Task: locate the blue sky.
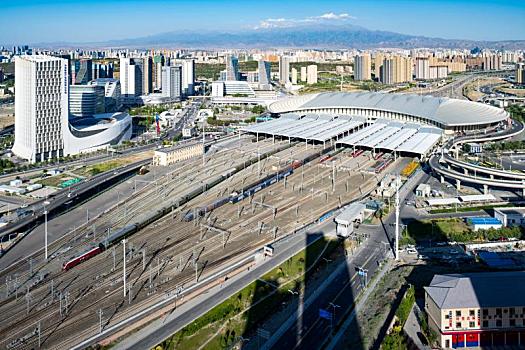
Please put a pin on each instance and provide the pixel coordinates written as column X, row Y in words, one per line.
column 34, row 21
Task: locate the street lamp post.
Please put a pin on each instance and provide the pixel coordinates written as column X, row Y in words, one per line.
column 45, row 228
column 333, row 306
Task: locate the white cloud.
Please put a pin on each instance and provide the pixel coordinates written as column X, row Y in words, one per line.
column 335, row 16
column 292, row 22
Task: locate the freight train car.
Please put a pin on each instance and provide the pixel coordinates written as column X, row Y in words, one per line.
column 118, row 235
column 260, row 186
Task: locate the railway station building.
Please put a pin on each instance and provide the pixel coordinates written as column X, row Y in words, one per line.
column 170, row 155
column 381, row 122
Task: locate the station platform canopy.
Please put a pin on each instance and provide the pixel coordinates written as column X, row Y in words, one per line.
column 442, row 201
column 477, row 198
column 316, row 127
column 394, row 136
column 380, row 134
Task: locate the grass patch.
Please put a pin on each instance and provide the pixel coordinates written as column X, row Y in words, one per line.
column 455, row 229
column 470, row 209
column 54, row 181
column 240, row 314
column 95, row 169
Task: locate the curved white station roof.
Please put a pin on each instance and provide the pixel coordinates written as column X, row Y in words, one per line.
column 448, row 112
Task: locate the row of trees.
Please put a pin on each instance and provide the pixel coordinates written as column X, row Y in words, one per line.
column 517, row 112
column 505, row 146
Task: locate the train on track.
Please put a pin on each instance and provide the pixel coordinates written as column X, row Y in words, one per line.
column 257, row 186
column 357, row 153
column 114, row 238
column 129, row 230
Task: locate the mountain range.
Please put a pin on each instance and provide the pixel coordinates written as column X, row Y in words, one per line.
column 301, row 36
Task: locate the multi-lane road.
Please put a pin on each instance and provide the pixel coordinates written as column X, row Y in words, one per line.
column 340, row 295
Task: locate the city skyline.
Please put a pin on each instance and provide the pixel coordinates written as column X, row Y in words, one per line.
column 51, row 21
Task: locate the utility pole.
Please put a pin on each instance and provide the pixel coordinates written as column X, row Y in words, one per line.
column 99, row 321
column 397, row 220
column 45, row 231
column 196, row 272
column 203, row 141
column 52, row 290
column 124, row 259
column 39, row 334
column 114, row 258
column 333, row 176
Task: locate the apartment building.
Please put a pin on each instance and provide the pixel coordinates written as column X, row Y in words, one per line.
column 362, row 67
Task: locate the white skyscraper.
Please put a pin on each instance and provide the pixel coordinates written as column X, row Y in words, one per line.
column 303, row 73
column 232, row 68
column 131, row 80
column 422, row 68
column 294, row 76
column 41, row 106
column 284, row 70
column 172, row 82
column 264, row 69
column 311, row 75
column 188, row 77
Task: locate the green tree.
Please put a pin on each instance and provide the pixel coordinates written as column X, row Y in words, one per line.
column 394, row 341
column 258, row 109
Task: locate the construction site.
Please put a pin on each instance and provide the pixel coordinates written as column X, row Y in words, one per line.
column 199, row 217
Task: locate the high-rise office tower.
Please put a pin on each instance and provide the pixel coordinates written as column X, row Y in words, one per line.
column 69, row 72
column 311, row 73
column 520, row 73
column 188, row 77
column 128, row 72
column 284, row 70
column 130, row 80
column 362, row 67
column 82, row 71
column 264, row 75
column 144, row 65
column 86, row 100
column 112, row 92
column 41, row 106
column 102, row 70
column 172, row 82
column 232, row 68
column 422, row 68
column 158, row 63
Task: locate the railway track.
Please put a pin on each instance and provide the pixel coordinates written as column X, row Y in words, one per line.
column 172, row 243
